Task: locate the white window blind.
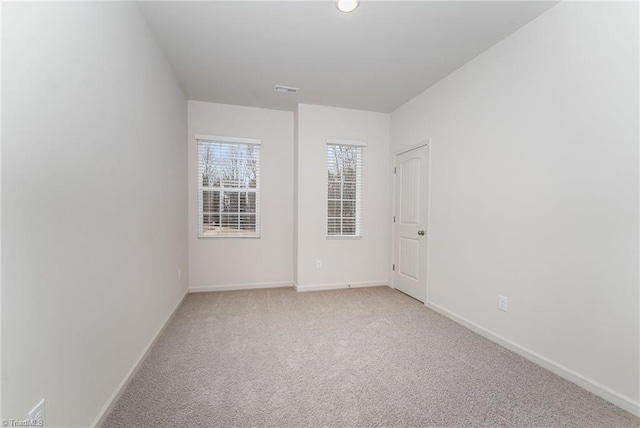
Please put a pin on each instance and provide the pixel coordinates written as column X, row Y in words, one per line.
column 344, row 193
column 228, row 187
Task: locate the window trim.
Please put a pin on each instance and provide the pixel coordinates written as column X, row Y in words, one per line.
column 199, row 188
column 358, row 201
column 230, row 140
column 340, row 142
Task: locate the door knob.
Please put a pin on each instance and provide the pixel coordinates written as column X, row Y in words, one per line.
column 421, row 232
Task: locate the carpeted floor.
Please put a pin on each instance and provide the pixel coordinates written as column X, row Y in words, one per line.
column 367, row 357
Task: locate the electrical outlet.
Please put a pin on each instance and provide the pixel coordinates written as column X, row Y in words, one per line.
column 318, row 264
column 503, row 303
column 37, row 415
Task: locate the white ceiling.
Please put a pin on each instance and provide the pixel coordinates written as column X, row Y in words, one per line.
column 376, row 58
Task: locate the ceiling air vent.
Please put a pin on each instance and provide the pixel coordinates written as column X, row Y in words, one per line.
column 286, row 89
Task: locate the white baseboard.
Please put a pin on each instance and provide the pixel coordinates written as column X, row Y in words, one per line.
column 319, row 287
column 231, row 287
column 590, row 385
column 301, row 288
column 108, row 406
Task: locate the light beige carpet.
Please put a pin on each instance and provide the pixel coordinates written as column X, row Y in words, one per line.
column 367, row 357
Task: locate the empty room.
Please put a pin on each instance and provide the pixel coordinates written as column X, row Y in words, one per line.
column 320, row 214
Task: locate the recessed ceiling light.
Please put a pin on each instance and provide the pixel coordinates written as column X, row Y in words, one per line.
column 347, row 6
column 286, row 89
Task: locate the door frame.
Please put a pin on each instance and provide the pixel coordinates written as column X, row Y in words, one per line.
column 427, row 142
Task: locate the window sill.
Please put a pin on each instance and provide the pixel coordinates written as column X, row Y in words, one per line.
column 230, row 236
column 347, row 237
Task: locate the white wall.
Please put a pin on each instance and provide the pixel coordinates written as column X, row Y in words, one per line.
column 534, row 191
column 296, row 170
column 94, row 203
column 0, row 222
column 344, row 261
column 224, row 262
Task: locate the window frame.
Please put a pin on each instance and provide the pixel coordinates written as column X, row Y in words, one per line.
column 359, row 145
column 231, row 141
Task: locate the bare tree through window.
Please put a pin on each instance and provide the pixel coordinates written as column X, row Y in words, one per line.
column 344, row 177
column 229, row 177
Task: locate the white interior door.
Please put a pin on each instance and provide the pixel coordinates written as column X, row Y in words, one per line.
column 410, row 218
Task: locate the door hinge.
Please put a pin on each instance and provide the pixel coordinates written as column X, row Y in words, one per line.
column 394, row 219
column 394, row 169
column 393, row 267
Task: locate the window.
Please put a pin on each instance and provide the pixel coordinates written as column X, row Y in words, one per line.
column 344, row 193
column 228, row 187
